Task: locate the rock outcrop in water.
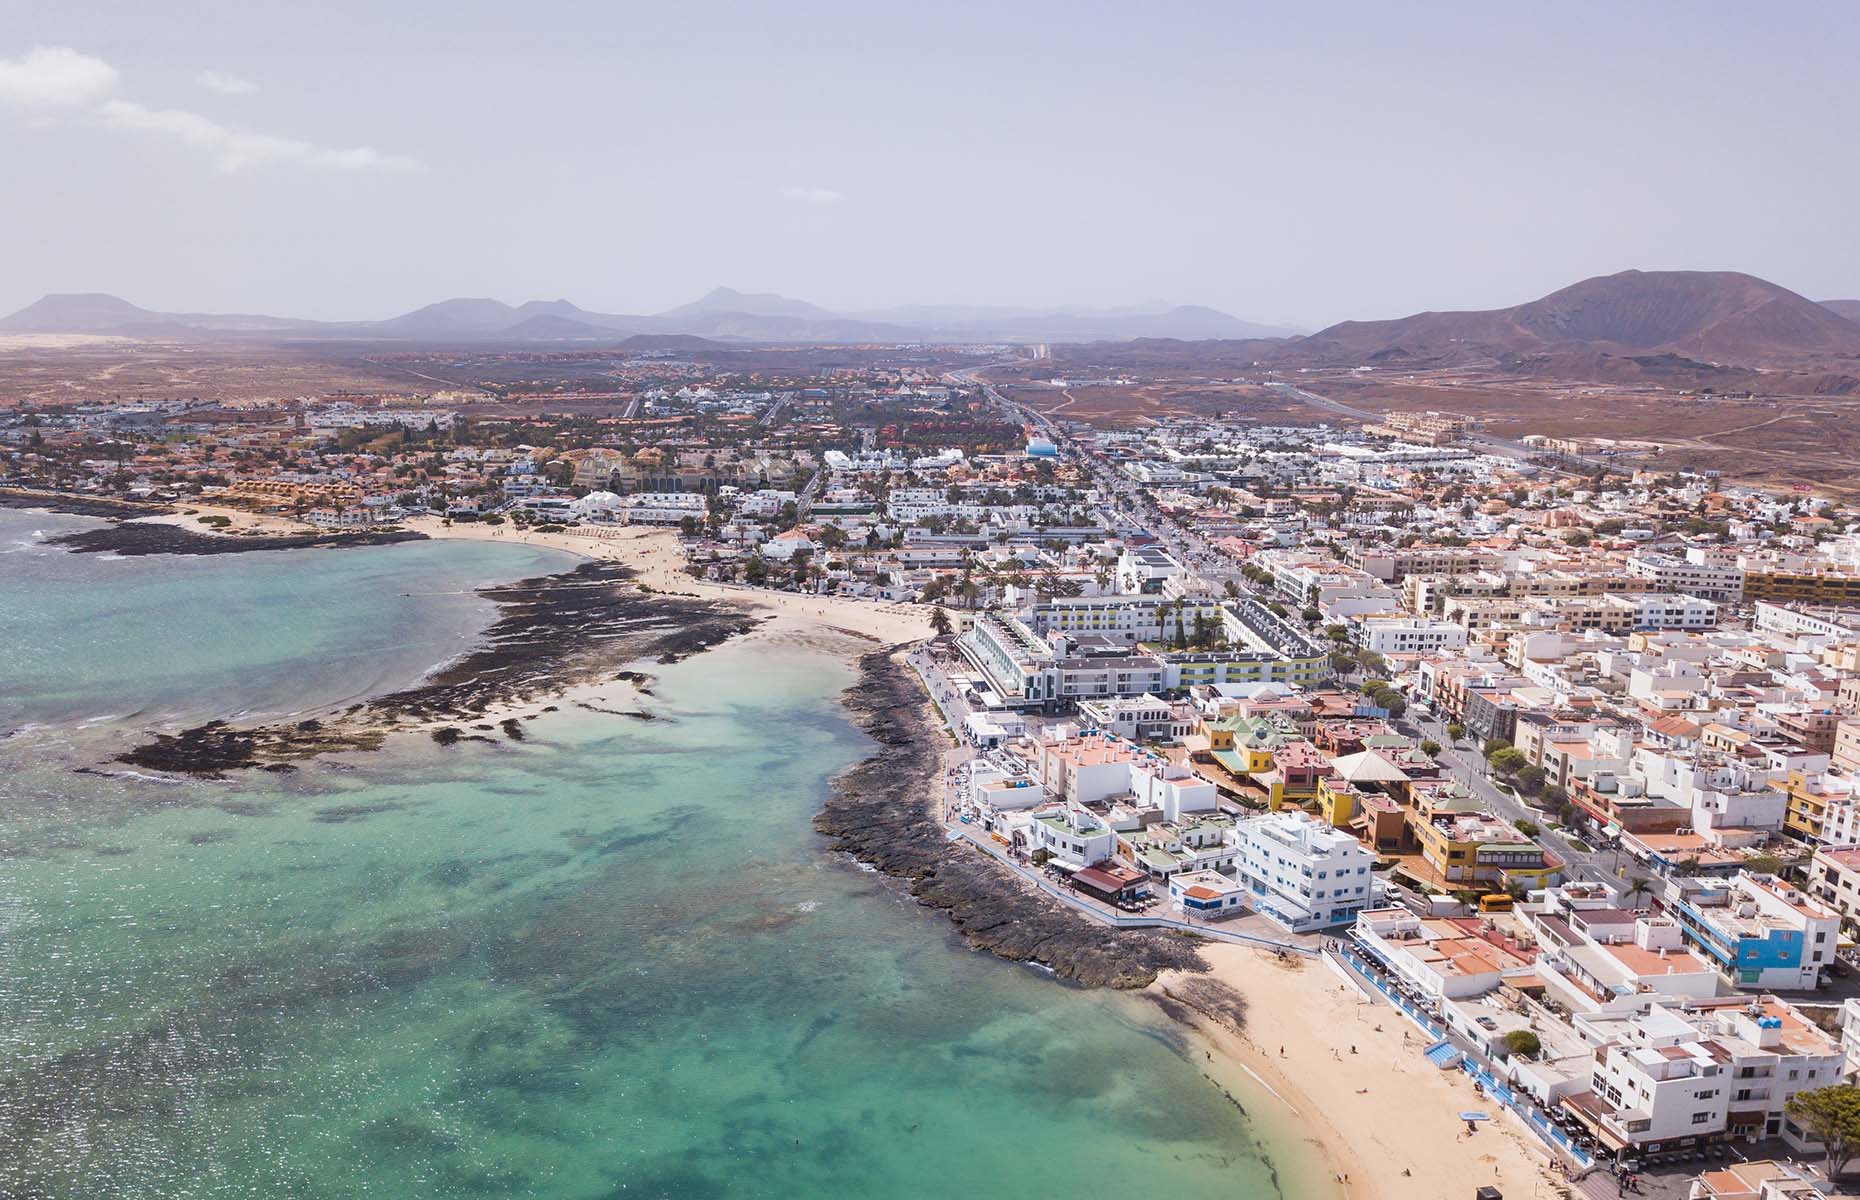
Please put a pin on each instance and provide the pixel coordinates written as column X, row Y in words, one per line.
column 877, row 814
column 129, row 536
column 135, row 538
column 551, row 632
column 80, row 506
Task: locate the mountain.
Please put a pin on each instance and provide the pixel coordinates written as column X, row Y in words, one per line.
column 1850, row 309
column 1712, row 316
column 451, row 318
column 723, row 300
column 79, row 312
column 723, row 314
column 550, row 327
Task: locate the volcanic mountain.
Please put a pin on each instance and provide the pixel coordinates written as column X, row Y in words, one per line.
column 1714, row 316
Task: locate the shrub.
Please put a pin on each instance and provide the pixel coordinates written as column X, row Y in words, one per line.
column 1523, row 1042
column 1527, row 828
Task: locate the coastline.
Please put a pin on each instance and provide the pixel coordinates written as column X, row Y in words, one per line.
column 625, row 606
column 1229, row 1000
column 878, row 811
column 1346, row 1075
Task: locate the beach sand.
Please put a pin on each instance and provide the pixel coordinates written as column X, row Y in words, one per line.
column 1372, row 1114
column 655, row 554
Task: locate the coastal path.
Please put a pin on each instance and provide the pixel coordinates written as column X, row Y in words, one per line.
column 1293, row 944
column 1361, row 970
column 952, row 709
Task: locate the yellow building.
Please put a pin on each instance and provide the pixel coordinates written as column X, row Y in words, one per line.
column 1244, row 745
column 1808, row 799
column 1338, row 802
column 1812, row 587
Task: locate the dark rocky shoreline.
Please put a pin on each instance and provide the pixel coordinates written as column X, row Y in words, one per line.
column 552, row 632
column 81, row 506
column 129, row 536
column 135, row 539
column 876, row 812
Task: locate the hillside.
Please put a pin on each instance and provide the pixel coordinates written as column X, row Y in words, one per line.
column 723, row 313
column 79, row 312
column 1714, row 316
column 1850, row 309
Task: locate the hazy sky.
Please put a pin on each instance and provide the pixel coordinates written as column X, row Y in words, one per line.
column 1297, row 163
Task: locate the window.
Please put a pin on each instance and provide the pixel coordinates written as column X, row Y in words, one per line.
column 1700, row 1118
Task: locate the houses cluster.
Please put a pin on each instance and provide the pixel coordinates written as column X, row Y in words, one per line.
column 1135, row 828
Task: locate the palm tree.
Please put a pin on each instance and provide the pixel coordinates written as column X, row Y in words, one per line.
column 1639, row 887
column 940, row 622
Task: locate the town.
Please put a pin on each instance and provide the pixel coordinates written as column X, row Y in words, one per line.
column 1555, row 758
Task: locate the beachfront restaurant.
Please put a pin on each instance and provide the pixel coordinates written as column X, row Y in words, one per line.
column 1112, row 883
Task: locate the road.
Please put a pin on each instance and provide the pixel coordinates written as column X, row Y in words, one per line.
column 1212, row 570
column 1215, row 570
column 1466, row 764
column 768, row 418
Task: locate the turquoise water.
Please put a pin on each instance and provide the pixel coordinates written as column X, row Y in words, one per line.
column 169, row 638
column 611, row 960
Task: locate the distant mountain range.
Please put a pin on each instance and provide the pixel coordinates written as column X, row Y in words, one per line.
column 1632, row 322
column 1707, row 316
column 722, row 315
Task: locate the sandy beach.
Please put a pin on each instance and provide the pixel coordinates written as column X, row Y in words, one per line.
column 655, row 554
column 1382, row 1118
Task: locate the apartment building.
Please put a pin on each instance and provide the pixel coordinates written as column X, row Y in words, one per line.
column 1084, row 768
column 1439, row 959
column 1693, row 574
column 1761, row 932
column 1834, row 880
column 1301, row 873
column 1703, row 1071
column 1131, row 618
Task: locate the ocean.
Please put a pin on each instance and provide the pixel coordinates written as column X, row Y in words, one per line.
column 610, row 960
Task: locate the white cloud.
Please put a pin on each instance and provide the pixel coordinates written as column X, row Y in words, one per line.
column 813, row 195
column 224, row 84
column 51, row 78
column 55, row 77
column 237, row 150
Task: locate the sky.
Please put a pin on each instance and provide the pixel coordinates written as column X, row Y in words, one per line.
column 1296, row 164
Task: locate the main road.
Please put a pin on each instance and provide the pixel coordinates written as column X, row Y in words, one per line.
column 1598, row 866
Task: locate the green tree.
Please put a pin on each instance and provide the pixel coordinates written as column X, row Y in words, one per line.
column 940, row 623
column 1523, row 1043
column 756, row 570
column 1455, row 731
column 1639, row 887
column 1507, row 760
column 1526, row 827
column 1430, row 747
column 1833, row 1115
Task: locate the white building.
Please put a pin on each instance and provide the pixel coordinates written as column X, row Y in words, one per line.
column 1174, row 789
column 1669, row 573
column 1710, row 1070
column 1084, row 769
column 1407, row 635
column 1301, row 872
column 1209, row 895
column 1072, row 837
